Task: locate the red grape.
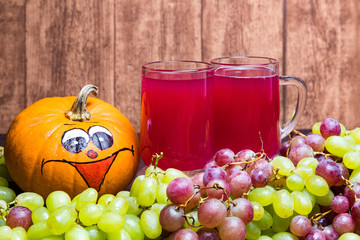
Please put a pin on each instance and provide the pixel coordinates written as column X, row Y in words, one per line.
column 232, row 228
column 350, row 195
column 284, row 147
column 316, row 142
column 330, row 171
column 172, row 218
column 300, row 226
column 197, row 179
column 296, row 140
column 233, row 169
column 330, row 127
column 355, row 212
column 180, row 190
column 208, row 234
column 224, row 156
column 186, row 234
column 243, row 209
column 344, row 173
column 315, row 234
column 214, row 172
column 343, row 223
column 340, row 204
column 259, row 177
column 299, row 152
column 19, row 217
column 330, row 233
column 218, row 193
column 211, row 213
column 239, row 183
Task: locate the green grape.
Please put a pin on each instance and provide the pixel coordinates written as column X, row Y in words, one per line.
column 302, row 203
column 150, row 224
column 338, row 146
column 315, row 210
column 4, row 182
column 295, row 182
column 7, row 194
column 171, row 174
column 134, row 190
column 264, row 238
column 76, row 232
column 265, row 222
column 40, row 214
column 308, row 162
column 349, row 236
column 269, row 232
column 316, row 128
column 95, row 233
column 194, row 220
column 57, row 199
column 106, row 199
column 156, row 173
column 325, row 200
column 90, row 195
column 258, row 210
column 304, row 172
column 355, row 175
column 284, row 164
column 343, row 130
column 133, row 206
column 5, row 233
column 310, row 196
column 4, row 172
column 89, row 214
column 119, row 205
column 133, row 227
column 147, row 192
column 253, row 231
column 284, row 236
column 38, row 231
column 281, row 224
column 18, row 233
column 161, row 196
column 2, row 222
column 351, row 159
column 119, row 235
column 355, row 133
column 317, row 185
column 264, row 196
column 3, row 205
column 52, row 237
column 124, row 194
column 157, row 207
column 30, row 200
column 283, row 203
column 61, row 219
column 111, row 222
column 75, row 200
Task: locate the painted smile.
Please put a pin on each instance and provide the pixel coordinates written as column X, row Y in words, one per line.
column 93, row 172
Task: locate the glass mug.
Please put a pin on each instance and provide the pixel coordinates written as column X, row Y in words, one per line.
column 177, row 113
column 247, row 104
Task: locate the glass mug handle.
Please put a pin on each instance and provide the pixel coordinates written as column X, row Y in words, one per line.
column 300, row 105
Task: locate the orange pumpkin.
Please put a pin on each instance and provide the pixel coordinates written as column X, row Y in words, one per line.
column 49, row 147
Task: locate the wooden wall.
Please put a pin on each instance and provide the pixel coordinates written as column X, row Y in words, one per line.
column 52, row 48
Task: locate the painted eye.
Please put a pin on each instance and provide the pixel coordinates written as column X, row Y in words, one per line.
column 101, row 137
column 75, row 140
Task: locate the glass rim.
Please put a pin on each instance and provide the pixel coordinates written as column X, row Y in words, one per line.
column 216, row 61
column 207, row 66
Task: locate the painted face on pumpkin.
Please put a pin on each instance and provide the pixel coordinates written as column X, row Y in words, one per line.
column 77, row 141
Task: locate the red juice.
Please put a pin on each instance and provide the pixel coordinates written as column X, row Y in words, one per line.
column 176, row 119
column 247, row 109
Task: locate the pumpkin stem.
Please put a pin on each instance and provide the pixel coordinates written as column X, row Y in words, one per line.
column 78, row 110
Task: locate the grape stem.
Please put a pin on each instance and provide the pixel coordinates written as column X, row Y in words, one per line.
column 350, row 185
column 191, row 225
column 257, row 157
column 297, row 133
column 316, row 217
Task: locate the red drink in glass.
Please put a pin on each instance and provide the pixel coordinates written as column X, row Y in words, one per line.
column 247, row 109
column 177, row 114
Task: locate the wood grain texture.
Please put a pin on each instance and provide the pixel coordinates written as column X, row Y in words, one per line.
column 69, row 44
column 242, row 28
column 12, row 61
column 157, row 30
column 323, row 49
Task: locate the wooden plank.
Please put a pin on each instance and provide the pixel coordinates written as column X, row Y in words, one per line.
column 242, row 28
column 12, row 61
column 69, row 44
column 323, row 48
column 157, row 30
